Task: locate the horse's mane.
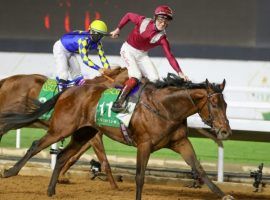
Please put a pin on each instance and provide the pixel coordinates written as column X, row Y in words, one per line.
column 174, row 80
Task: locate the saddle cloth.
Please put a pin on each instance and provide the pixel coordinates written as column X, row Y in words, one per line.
column 106, row 117
column 48, row 90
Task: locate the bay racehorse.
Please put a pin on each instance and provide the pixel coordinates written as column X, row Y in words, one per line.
column 159, row 121
column 15, row 91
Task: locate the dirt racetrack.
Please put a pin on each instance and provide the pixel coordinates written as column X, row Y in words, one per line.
column 35, row 187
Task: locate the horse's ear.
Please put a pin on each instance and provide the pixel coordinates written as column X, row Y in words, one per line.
column 222, row 85
column 207, row 83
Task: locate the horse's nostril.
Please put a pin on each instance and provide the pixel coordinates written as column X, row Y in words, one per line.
column 225, row 133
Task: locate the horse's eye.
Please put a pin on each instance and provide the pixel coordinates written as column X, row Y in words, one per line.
column 214, row 102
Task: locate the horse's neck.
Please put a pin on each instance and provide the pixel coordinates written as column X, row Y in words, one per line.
column 177, row 104
column 198, row 98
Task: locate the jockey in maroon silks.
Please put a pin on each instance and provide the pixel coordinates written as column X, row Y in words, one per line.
column 147, row 34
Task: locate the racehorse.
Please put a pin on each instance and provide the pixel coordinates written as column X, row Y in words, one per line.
column 159, row 121
column 15, row 91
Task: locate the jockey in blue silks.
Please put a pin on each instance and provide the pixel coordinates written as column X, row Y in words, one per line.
column 81, row 42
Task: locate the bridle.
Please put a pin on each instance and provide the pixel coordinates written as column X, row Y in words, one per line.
column 209, row 121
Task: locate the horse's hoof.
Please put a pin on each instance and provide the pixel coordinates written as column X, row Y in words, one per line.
column 119, row 178
column 50, row 192
column 2, row 174
column 63, row 180
column 5, row 173
column 228, row 197
column 114, row 187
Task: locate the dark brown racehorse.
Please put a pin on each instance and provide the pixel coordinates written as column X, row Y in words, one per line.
column 159, row 121
column 15, row 91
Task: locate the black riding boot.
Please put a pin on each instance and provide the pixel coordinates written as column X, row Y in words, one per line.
column 129, row 85
column 118, row 105
column 62, row 84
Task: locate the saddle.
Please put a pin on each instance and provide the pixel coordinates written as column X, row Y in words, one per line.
column 106, row 117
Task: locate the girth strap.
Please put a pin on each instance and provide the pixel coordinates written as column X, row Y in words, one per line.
column 126, row 135
column 134, row 99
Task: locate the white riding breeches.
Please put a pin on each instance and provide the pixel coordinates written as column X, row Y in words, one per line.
column 66, row 62
column 138, row 63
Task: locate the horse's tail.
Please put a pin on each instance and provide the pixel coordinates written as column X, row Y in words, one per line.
column 12, row 120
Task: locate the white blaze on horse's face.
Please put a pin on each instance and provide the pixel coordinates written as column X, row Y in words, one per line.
column 216, row 109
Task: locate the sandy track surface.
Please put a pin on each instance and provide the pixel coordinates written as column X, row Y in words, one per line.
column 35, row 187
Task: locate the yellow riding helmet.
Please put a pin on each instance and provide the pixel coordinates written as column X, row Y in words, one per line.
column 98, row 26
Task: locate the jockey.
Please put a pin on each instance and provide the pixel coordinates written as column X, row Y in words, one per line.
column 81, row 42
column 147, row 34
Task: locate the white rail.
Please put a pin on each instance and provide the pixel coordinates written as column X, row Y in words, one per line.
column 247, row 89
column 251, row 104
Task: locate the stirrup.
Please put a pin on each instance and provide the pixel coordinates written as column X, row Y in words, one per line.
column 117, row 107
column 62, row 86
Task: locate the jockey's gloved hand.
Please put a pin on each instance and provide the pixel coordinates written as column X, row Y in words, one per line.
column 183, row 76
column 115, row 33
column 101, row 70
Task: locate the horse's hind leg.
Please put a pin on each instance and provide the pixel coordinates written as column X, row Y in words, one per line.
column 97, row 144
column 184, row 147
column 98, row 147
column 79, row 138
column 36, row 147
column 74, row 159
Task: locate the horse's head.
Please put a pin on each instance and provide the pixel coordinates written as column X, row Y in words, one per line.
column 213, row 110
column 206, row 99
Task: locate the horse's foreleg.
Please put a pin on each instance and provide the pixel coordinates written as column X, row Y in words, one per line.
column 143, row 154
column 184, row 147
column 100, row 152
column 78, row 139
column 98, row 147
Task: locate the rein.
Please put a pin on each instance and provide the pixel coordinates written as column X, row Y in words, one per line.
column 147, row 106
column 108, row 78
column 154, row 111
